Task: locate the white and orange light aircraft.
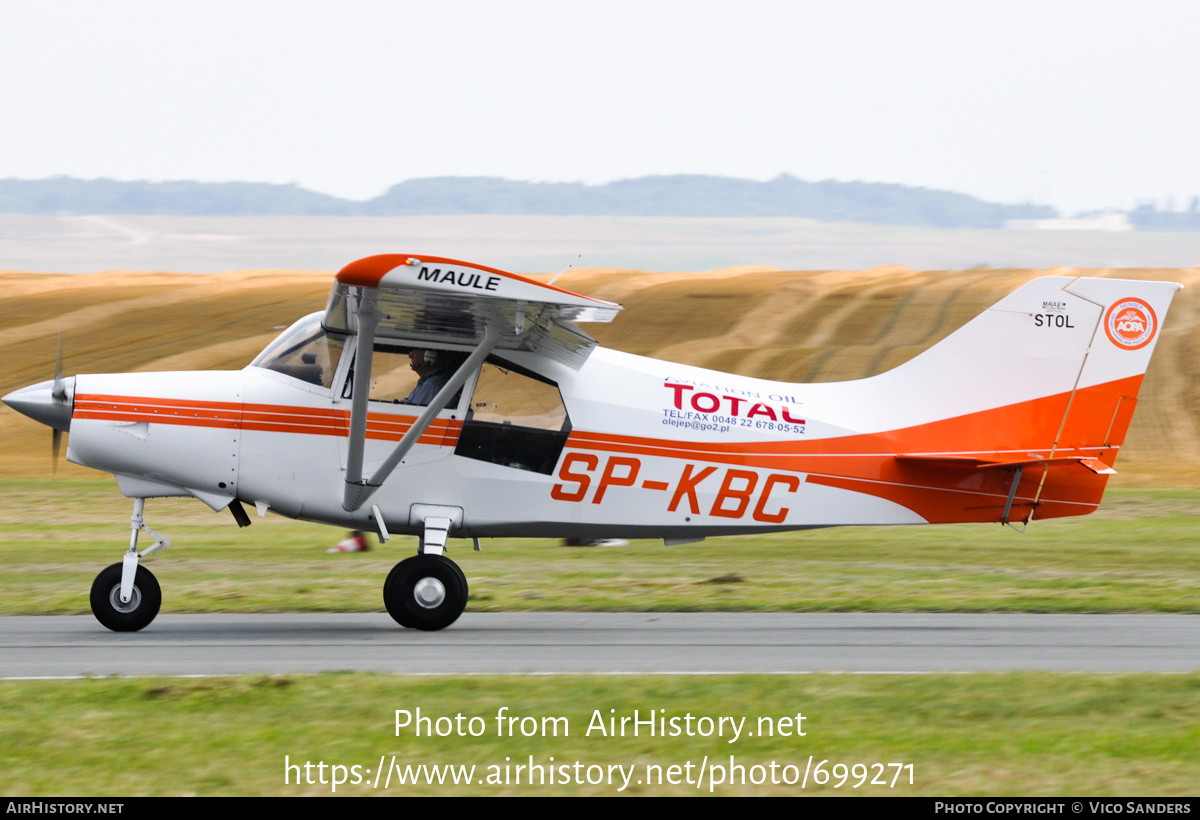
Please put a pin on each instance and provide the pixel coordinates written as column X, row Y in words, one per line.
column 537, row 431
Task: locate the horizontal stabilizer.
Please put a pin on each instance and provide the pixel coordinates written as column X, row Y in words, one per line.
column 1090, row 462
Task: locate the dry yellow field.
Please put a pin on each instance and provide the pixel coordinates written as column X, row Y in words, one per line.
column 786, row 325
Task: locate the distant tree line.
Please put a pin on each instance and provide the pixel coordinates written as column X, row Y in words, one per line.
column 66, row 195
column 1149, row 218
column 680, row 195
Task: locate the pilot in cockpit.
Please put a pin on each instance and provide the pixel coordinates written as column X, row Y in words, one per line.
column 433, row 368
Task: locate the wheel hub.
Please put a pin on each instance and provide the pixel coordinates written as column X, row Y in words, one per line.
column 114, row 598
column 429, row 592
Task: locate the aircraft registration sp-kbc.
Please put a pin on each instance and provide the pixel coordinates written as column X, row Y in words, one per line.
column 537, row 431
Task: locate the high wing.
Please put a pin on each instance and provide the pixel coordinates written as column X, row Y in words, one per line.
column 444, row 301
column 433, row 300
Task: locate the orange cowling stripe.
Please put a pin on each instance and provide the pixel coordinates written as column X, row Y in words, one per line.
column 272, row 418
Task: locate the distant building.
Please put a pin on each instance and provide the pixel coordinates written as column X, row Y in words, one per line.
column 1110, row 220
column 1146, row 217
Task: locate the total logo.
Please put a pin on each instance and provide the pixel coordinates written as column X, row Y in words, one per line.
column 1130, row 323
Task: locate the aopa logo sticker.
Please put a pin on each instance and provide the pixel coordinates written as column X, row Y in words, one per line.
column 1130, row 323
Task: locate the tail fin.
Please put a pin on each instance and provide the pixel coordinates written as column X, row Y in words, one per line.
column 1032, row 398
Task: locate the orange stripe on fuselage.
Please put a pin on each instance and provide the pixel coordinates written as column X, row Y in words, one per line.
column 271, row 418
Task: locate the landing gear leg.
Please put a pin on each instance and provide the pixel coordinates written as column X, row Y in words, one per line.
column 126, row 597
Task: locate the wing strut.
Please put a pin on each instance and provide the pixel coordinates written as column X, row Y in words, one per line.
column 368, row 318
column 358, row 491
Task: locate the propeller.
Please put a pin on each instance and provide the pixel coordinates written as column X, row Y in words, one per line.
column 51, row 403
column 59, row 393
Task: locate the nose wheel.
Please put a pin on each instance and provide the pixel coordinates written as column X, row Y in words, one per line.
column 426, row 592
column 125, row 616
column 126, row 597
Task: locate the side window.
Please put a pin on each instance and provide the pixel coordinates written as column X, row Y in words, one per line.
column 392, row 378
column 503, row 396
column 516, row 420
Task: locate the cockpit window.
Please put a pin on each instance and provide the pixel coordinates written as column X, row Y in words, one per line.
column 304, row 351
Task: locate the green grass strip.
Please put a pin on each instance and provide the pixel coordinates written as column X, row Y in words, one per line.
column 985, row 734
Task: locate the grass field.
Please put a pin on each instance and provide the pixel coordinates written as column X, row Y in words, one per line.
column 1011, row 734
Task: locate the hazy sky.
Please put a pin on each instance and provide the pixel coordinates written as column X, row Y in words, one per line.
column 1076, row 104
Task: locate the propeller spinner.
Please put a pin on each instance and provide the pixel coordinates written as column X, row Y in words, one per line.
column 49, row 402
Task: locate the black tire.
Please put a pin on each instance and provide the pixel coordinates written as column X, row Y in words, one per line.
column 142, row 607
column 463, row 576
column 426, row 592
column 397, row 612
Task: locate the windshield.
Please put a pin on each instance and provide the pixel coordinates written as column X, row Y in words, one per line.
column 304, row 351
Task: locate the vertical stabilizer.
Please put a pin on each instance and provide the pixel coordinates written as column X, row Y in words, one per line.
column 1020, row 413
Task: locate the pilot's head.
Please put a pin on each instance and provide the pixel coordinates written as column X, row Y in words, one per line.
column 422, row 361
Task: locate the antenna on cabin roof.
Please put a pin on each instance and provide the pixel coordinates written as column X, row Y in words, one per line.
column 554, row 278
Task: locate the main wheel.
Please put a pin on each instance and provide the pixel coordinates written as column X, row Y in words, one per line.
column 425, row 592
column 143, row 604
column 394, row 609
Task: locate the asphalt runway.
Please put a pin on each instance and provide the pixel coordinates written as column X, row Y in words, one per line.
column 543, row 642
